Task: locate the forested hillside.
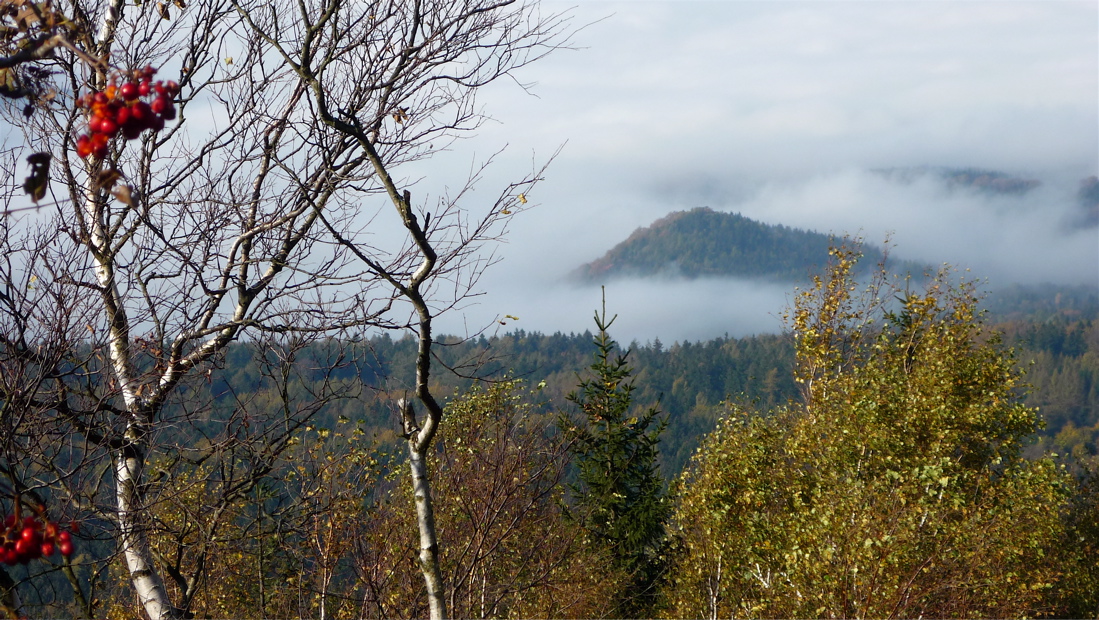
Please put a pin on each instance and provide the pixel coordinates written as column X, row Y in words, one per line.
column 975, row 179
column 740, row 441
column 1054, row 331
column 755, row 450
column 703, row 242
column 687, row 380
column 992, row 182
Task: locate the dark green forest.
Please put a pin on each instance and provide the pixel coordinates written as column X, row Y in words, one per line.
column 1053, row 332
column 942, row 446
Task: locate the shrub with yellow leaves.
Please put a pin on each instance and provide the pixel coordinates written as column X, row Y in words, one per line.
column 895, row 488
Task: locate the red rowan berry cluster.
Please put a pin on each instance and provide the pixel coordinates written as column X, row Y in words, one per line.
column 123, row 109
column 33, row 537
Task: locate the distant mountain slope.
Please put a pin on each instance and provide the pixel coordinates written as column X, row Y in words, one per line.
column 975, row 179
column 702, row 242
column 1085, row 213
column 1088, row 201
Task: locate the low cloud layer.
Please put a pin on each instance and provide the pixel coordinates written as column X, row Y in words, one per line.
column 781, row 111
column 1005, row 239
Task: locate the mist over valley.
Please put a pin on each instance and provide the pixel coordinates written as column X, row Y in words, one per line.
column 1006, row 230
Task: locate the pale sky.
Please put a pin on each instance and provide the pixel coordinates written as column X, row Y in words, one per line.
column 780, row 110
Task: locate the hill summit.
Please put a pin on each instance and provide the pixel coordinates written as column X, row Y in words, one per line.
column 703, row 242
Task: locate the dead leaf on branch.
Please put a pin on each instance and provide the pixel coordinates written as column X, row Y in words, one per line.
column 38, row 181
column 26, row 17
column 125, row 195
column 107, row 178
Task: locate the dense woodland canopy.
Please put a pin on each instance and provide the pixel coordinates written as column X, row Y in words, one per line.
column 325, row 529
column 1052, row 330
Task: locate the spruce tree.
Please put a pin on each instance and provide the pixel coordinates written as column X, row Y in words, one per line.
column 620, row 494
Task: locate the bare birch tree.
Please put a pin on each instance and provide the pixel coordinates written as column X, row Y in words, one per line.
column 253, row 215
column 418, row 64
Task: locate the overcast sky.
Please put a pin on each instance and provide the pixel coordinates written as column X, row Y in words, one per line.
column 780, row 110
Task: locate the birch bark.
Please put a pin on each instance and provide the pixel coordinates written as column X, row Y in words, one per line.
column 129, row 461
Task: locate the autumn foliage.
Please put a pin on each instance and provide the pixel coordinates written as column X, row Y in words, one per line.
column 895, row 488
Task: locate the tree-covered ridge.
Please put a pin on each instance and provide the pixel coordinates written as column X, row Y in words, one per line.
column 1083, row 214
column 703, row 242
column 989, row 181
column 688, row 380
column 1055, row 333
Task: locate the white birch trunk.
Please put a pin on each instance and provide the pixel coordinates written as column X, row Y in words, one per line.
column 425, row 514
column 135, row 544
column 429, row 544
column 129, row 461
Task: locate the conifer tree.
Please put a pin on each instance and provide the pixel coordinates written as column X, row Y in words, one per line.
column 620, row 495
